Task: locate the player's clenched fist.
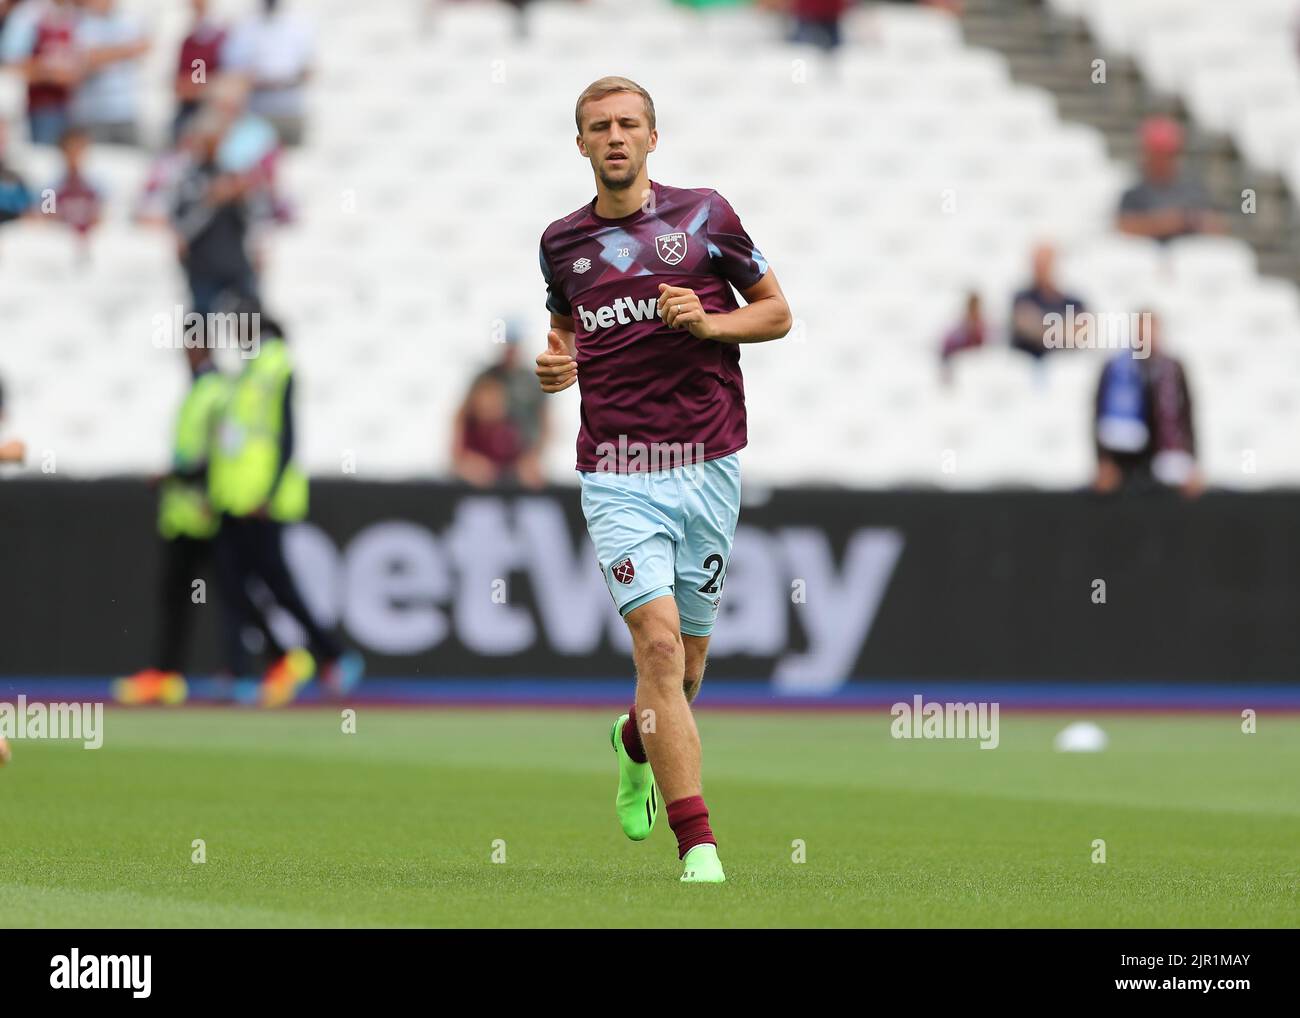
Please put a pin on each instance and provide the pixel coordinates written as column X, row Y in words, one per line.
column 680, row 308
column 556, row 368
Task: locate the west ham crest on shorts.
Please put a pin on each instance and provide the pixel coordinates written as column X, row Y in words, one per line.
column 671, row 247
column 623, row 571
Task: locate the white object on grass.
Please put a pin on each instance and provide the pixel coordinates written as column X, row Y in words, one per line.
column 1080, row 737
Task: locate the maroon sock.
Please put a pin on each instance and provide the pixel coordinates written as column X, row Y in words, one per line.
column 689, row 819
column 632, row 738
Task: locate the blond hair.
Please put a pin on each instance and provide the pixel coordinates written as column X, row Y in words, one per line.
column 609, row 86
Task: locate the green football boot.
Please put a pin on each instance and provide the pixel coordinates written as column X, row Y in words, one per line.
column 638, row 800
column 701, row 866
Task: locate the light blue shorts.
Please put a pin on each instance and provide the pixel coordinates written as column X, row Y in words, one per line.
column 666, row 532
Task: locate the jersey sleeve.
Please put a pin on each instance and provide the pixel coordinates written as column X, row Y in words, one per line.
column 734, row 255
column 556, row 302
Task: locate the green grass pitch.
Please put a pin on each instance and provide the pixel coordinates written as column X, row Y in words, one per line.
column 395, row 825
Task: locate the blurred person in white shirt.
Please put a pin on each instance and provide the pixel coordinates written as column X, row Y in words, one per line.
column 273, row 52
column 107, row 101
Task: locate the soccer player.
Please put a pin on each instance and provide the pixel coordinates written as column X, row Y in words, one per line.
column 643, row 317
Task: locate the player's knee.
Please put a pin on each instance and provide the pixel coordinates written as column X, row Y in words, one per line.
column 661, row 647
column 657, row 649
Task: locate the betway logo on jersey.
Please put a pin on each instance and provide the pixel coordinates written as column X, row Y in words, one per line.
column 623, row 311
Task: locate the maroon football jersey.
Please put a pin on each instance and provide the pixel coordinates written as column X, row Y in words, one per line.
column 644, row 385
column 54, row 41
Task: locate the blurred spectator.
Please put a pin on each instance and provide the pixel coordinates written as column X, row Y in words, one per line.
column 162, row 185
column 40, row 41
column 6, row 8
column 106, row 102
column 245, row 150
column 501, row 426
column 77, row 202
column 12, row 451
column 15, row 197
column 199, row 63
column 1166, row 203
column 813, row 22
column 273, row 52
column 968, row 334
column 485, row 442
column 249, row 146
column 1031, row 306
column 210, row 217
column 1143, row 419
column 525, row 399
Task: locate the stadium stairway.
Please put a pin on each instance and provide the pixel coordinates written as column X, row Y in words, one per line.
column 1048, row 46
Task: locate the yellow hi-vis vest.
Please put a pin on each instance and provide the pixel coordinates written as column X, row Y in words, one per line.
column 183, row 508
column 241, row 472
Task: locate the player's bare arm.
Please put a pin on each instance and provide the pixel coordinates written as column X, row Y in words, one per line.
column 765, row 316
column 556, row 367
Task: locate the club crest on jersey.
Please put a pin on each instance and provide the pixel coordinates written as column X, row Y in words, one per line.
column 623, row 571
column 671, row 247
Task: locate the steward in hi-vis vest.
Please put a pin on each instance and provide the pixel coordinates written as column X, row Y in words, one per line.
column 256, row 486
column 183, row 507
column 187, row 524
column 252, row 470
